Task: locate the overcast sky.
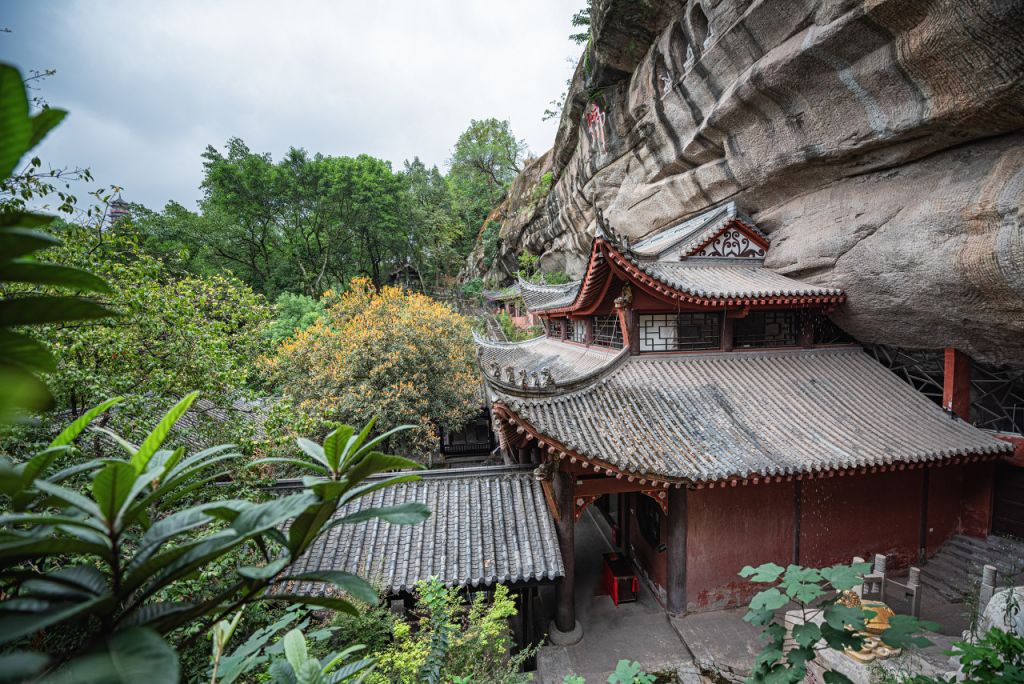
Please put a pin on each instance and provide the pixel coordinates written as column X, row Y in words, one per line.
column 150, row 84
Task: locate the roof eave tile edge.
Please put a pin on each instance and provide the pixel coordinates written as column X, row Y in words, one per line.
column 558, row 452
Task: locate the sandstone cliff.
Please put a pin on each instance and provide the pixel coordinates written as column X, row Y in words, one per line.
column 879, row 144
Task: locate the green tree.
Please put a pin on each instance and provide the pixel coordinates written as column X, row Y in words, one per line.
column 171, row 331
column 486, row 159
column 433, row 225
column 295, row 312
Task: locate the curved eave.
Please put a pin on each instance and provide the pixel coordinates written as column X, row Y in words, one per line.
column 515, row 427
column 605, row 259
column 578, row 382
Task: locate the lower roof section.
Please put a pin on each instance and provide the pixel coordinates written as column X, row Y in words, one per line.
column 510, row 364
column 487, row 525
column 707, row 417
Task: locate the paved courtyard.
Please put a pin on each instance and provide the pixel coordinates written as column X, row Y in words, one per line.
column 718, row 641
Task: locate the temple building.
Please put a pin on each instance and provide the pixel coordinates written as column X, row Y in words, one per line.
column 711, row 403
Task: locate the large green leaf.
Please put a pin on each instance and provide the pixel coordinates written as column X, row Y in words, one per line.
column 314, row 450
column 365, row 489
column 410, row 513
column 69, row 497
column 16, row 625
column 156, row 438
column 43, row 123
column 15, row 125
column 21, row 666
column 12, row 552
column 53, row 275
column 770, row 599
column 26, row 351
column 331, row 602
column 376, row 462
column 22, row 390
column 353, row 585
column 111, row 486
column 84, row 580
column 17, row 242
column 40, row 309
column 768, row 572
column 264, row 572
column 843, row 577
column 335, row 443
column 131, row 656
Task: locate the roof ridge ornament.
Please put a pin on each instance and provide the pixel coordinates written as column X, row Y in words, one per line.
column 606, row 232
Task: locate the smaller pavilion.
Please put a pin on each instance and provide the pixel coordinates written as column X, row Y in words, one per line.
column 731, row 422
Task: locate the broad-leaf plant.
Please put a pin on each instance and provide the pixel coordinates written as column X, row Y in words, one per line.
column 99, row 559
column 824, row 622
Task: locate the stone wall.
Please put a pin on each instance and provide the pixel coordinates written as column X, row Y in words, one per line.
column 880, row 144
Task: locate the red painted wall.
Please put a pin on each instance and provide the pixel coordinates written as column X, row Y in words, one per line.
column 976, row 518
column 944, row 491
column 861, row 515
column 651, row 562
column 729, row 528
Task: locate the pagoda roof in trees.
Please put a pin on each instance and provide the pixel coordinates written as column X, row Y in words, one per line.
column 715, row 259
column 539, row 297
column 739, row 417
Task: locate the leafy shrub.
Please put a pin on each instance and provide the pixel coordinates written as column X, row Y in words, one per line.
column 812, row 591
column 295, row 312
column 453, row 643
column 105, row 564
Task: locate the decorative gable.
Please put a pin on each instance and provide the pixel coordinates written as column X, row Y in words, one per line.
column 732, row 241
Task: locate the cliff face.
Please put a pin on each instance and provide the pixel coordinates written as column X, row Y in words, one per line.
column 879, row 144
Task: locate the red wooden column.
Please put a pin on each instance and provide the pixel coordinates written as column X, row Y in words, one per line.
column 676, row 551
column 565, row 630
column 956, row 384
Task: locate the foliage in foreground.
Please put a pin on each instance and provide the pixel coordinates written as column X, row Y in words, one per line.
column 101, row 564
column 22, row 358
column 626, row 672
column 814, row 591
column 453, row 643
column 389, row 353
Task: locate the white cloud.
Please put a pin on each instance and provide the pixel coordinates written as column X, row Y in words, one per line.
column 150, row 84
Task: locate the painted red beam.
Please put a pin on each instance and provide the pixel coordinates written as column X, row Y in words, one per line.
column 956, row 383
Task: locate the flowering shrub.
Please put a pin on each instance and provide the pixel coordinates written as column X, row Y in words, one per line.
column 397, row 355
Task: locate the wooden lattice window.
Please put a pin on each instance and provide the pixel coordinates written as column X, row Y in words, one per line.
column 578, row 331
column 556, row 327
column 766, row 329
column 680, row 332
column 607, row 331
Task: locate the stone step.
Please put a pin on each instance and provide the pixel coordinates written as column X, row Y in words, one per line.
column 939, row 586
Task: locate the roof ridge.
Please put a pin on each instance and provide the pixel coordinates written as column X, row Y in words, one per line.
column 548, row 287
column 484, row 341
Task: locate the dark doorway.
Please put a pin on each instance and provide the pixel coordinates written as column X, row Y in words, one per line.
column 1008, row 508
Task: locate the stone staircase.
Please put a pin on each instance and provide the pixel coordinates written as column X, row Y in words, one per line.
column 956, row 569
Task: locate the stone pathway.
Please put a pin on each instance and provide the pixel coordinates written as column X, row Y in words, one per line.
column 638, row 631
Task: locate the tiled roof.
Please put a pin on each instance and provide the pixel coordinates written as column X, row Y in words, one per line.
column 723, row 279
column 568, row 363
column 487, row 525
column 692, row 232
column 540, row 297
column 705, row 417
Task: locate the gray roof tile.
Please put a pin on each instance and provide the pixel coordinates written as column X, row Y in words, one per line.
column 705, row 417
column 542, row 297
column 487, row 525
